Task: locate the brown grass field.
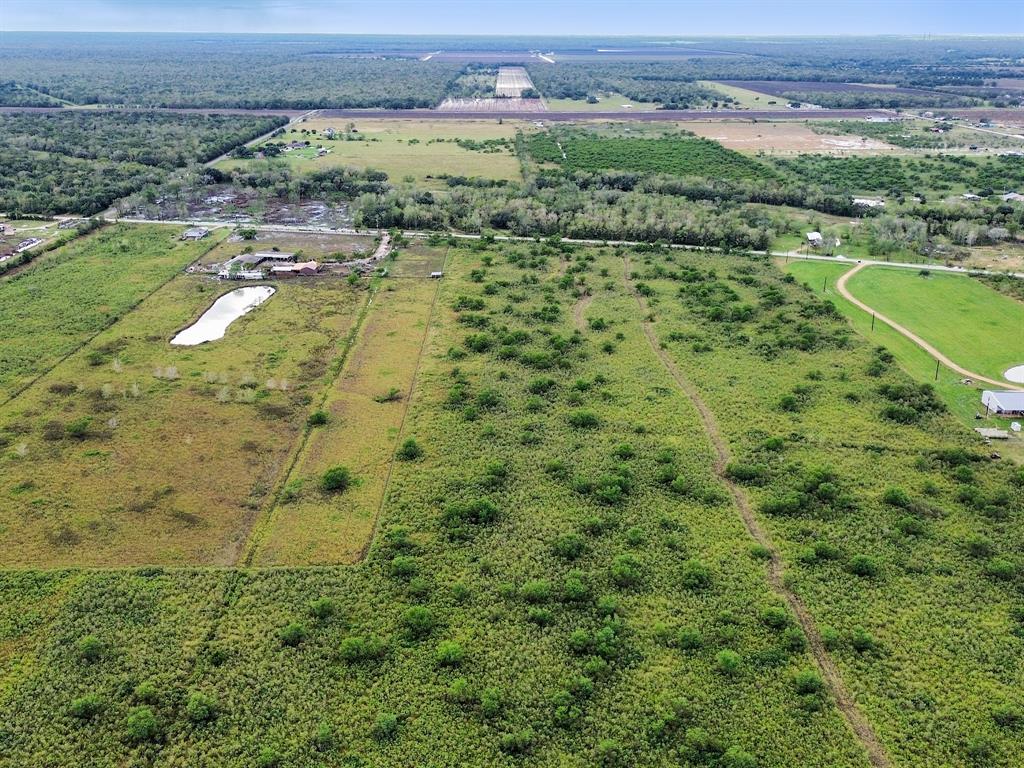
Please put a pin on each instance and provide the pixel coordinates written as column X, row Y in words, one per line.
column 180, row 445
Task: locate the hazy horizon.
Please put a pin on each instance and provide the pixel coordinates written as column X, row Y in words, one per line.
column 642, row 18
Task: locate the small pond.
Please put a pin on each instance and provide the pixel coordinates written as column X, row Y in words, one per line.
column 1015, row 374
column 215, row 321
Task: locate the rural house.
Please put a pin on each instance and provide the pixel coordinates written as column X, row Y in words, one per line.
column 1003, row 403
column 815, row 240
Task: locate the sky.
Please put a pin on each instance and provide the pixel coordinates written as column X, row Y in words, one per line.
column 521, row 17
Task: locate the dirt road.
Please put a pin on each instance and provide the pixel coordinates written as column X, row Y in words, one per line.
column 830, row 672
column 845, row 293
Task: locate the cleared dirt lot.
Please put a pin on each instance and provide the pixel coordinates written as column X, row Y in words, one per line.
column 784, row 138
column 496, row 106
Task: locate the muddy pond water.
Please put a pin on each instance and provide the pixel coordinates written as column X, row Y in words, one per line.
column 214, row 322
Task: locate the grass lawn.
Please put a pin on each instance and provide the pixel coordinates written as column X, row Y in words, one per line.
column 969, row 322
column 964, row 402
column 406, row 149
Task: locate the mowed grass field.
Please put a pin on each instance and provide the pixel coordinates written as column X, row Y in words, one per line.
column 50, row 309
column 365, row 410
column 133, row 451
column 607, row 102
column 972, row 324
column 963, row 401
column 420, row 149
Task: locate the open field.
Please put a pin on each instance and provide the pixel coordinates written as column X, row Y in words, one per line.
column 508, row 105
column 964, row 319
column 60, row 302
column 366, row 407
column 133, row 451
column 746, row 98
column 606, row 102
column 420, row 150
column 784, row 138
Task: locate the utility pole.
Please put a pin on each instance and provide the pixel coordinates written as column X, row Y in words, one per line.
column 872, row 321
column 936, row 370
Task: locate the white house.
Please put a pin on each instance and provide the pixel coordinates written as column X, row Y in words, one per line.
column 869, row 202
column 1003, row 403
column 815, row 239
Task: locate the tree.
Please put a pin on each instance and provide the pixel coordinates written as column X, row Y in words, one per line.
column 335, row 480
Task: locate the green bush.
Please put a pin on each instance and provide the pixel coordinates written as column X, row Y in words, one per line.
column 141, row 725
column 418, row 621
column 293, row 635
column 695, row 575
column 449, row 654
column 200, row 708
column 87, row 707
column 90, row 648
column 335, row 480
column 728, row 662
column 317, row 418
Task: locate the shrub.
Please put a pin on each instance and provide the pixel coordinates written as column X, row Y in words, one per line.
column 141, row 725
column 1000, row 569
column 491, row 702
column 517, row 743
column 625, row 570
column 292, row 635
column 335, row 480
column 386, row 727
column 862, row 641
column 752, row 474
column 357, row 649
column 87, row 707
column 449, row 654
column 79, row 428
column 583, row 420
column 536, row 591
column 317, row 419
column 775, row 617
column 569, row 546
column 200, row 708
column 728, row 662
column 324, row 740
column 90, row 648
column 863, row 565
column 418, row 621
column 689, row 639
column 323, row 608
column 403, row 567
column 695, row 575
column 808, row 681
column 1008, row 715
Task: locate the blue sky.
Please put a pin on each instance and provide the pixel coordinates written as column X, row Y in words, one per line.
column 590, row 17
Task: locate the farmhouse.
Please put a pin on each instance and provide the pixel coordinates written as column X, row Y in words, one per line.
column 815, row 240
column 1015, row 197
column 195, row 233
column 1003, row 403
column 303, row 268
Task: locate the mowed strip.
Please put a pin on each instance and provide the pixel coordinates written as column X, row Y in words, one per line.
column 136, row 452
column 365, row 411
column 52, row 308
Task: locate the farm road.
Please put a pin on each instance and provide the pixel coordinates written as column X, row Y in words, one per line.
column 858, row 723
column 845, row 293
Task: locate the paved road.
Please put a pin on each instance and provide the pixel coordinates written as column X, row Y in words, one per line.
column 845, row 293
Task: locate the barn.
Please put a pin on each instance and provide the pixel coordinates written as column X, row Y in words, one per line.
column 1003, row 403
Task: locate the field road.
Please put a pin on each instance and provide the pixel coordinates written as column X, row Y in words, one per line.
column 571, row 240
column 845, row 293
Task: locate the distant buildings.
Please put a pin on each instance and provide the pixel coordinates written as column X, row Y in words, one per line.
column 195, row 233
column 1012, row 197
column 869, row 202
column 244, row 265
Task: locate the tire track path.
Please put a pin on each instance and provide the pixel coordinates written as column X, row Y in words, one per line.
column 858, row 723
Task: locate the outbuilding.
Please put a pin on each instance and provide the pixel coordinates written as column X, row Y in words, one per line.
column 195, row 233
column 1003, row 402
column 814, row 239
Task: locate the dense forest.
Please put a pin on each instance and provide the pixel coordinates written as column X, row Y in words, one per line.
column 81, row 162
column 280, row 71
